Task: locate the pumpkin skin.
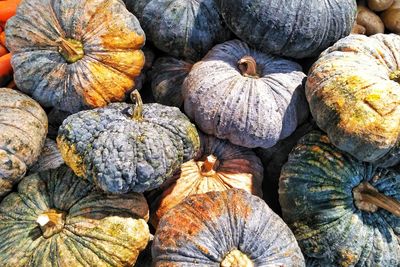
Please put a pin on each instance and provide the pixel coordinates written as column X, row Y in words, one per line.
column 121, row 153
column 182, row 28
column 50, row 158
column 167, row 77
column 106, row 39
column 250, row 111
column 318, row 202
column 144, row 75
column 293, row 28
column 354, row 96
column 234, row 167
column 97, row 230
column 23, row 128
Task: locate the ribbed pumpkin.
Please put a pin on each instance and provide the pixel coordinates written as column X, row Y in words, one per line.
column 57, row 219
column 250, row 98
column 219, row 166
column 123, row 148
column 291, row 28
column 76, row 54
column 181, row 28
column 49, row 158
column 167, row 77
column 23, row 128
column 354, row 95
column 342, row 211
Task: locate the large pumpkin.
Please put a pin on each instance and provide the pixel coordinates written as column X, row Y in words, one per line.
column 57, row 219
column 181, row 28
column 219, row 166
column 354, row 95
column 124, row 148
column 250, row 98
column 291, row 28
column 343, row 212
column 75, row 54
column 23, row 128
column 227, row 228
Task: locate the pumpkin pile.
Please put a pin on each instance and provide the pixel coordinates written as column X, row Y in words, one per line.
column 234, row 133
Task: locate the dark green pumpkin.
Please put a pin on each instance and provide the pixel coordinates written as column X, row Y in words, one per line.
column 329, row 200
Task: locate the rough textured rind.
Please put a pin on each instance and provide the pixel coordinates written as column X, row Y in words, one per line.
column 290, row 28
column 181, row 28
column 50, row 158
column 120, row 154
column 353, row 99
column 204, row 228
column 316, row 195
column 23, row 129
column 248, row 111
column 99, row 229
column 111, row 38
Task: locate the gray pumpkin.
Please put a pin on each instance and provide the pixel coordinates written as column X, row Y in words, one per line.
column 251, row 98
column 50, row 158
column 294, row 28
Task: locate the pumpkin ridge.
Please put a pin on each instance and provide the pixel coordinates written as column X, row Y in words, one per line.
column 24, row 110
column 74, row 251
column 88, row 34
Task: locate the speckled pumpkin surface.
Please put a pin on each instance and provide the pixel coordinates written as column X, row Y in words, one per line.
column 250, row 98
column 50, row 158
column 23, row 128
column 57, row 219
column 75, row 54
column 293, row 28
column 220, row 166
column 124, row 148
column 354, row 95
column 181, row 28
column 329, row 200
column 227, row 228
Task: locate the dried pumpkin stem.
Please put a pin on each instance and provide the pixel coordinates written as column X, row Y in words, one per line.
column 70, row 49
column 395, row 76
column 248, row 66
column 236, row 258
column 368, row 198
column 138, row 110
column 209, row 164
column 51, row 222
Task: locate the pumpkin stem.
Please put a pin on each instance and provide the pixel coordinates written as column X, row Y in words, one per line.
column 367, row 198
column 248, row 66
column 51, row 222
column 138, row 110
column 70, row 49
column 236, row 258
column 395, row 76
column 209, row 164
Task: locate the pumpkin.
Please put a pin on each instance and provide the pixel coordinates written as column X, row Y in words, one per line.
column 292, row 28
column 77, row 54
column 123, row 148
column 23, row 128
column 182, row 28
column 354, row 94
column 167, row 76
column 143, row 77
column 370, row 21
column 391, row 17
column 219, row 166
column 49, row 158
column 250, row 98
column 57, row 219
column 342, row 211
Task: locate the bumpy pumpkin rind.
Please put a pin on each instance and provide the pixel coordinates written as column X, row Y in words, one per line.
column 204, row 228
column 316, row 195
column 50, row 158
column 111, row 37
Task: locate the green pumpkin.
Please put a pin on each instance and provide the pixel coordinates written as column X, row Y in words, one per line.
column 343, row 212
column 58, row 219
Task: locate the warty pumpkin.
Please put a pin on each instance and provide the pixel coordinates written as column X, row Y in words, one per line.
column 354, row 95
column 77, row 54
column 58, row 219
column 123, row 148
column 343, row 212
column 248, row 97
column 23, row 129
column 227, row 228
column 49, row 158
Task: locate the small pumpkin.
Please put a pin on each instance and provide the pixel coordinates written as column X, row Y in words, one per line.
column 343, row 212
column 50, row 158
column 354, row 95
column 23, row 128
column 57, row 219
column 248, row 97
column 227, row 228
column 124, row 148
column 292, row 28
column 219, row 166
column 167, row 76
column 77, row 54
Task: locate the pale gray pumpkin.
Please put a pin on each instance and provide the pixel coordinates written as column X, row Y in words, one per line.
column 50, row 158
